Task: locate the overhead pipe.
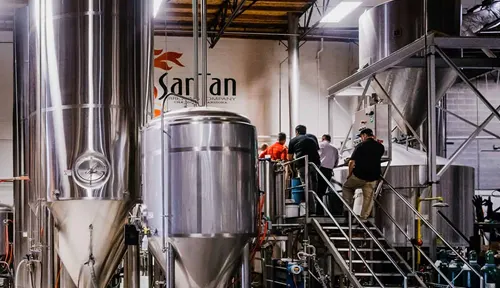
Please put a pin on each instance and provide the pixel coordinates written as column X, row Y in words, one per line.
column 318, row 66
column 293, row 72
column 204, row 54
column 196, row 52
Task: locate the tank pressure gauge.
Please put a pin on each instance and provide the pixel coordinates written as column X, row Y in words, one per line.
column 91, row 170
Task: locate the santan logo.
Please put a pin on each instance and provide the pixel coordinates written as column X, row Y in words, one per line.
column 222, row 90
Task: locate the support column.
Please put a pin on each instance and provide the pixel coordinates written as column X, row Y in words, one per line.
column 293, row 72
column 131, row 273
column 432, row 140
column 245, row 267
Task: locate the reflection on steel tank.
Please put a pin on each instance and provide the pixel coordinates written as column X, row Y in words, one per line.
column 210, row 190
column 389, row 27
column 408, row 174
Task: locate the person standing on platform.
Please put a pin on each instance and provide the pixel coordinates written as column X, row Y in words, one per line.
column 329, row 157
column 301, row 145
column 277, row 151
column 364, row 171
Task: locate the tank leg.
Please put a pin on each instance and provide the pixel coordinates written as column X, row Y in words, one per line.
column 245, row 267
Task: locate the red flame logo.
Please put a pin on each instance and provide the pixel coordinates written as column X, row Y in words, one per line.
column 161, row 61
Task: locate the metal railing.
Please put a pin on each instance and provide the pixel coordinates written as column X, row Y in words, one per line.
column 349, row 237
column 434, row 230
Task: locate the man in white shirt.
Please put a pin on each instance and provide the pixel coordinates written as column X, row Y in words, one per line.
column 329, row 156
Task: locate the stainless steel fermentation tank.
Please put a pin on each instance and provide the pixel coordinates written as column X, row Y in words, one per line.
column 206, row 206
column 272, row 183
column 86, row 97
column 389, row 27
column 408, row 174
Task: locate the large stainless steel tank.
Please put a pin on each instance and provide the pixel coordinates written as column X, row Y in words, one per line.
column 407, row 173
column 389, row 27
column 210, row 192
column 85, row 106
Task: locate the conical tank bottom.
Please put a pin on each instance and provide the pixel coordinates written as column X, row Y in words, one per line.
column 407, row 88
column 202, row 262
column 90, row 227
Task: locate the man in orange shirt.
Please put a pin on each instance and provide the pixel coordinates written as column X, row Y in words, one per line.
column 278, row 150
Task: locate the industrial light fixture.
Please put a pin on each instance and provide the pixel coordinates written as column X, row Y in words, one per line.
column 340, row 11
column 156, row 7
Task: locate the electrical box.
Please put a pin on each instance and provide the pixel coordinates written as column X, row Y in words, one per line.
column 378, row 118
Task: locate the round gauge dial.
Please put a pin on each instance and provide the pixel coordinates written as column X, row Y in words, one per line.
column 91, row 170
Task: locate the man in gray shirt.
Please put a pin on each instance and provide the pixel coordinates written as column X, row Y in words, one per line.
column 329, row 156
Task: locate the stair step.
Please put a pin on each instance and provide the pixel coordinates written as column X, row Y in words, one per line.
column 355, row 239
column 370, row 261
column 377, row 274
column 347, row 228
column 364, row 250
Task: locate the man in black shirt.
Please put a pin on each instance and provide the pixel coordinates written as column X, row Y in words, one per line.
column 364, row 171
column 305, row 144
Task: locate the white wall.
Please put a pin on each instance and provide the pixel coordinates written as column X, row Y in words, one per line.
column 255, row 65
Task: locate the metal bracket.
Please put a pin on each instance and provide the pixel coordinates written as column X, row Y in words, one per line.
column 227, row 12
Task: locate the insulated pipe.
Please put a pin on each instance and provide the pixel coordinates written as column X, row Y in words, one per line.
column 204, row 54
column 196, row 52
column 293, row 72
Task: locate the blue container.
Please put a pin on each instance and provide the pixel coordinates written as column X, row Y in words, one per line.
column 298, row 192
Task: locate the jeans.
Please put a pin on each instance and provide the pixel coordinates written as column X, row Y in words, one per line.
column 350, row 186
column 323, row 187
column 313, row 185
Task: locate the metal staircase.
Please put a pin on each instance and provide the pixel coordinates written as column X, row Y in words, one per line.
column 362, row 252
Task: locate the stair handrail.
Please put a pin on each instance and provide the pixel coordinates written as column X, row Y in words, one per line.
column 351, row 244
column 415, row 246
column 351, row 212
column 433, row 229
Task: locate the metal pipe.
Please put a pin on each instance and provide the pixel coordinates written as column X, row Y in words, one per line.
column 21, row 87
column 204, row 54
column 149, row 95
column 293, row 72
column 380, row 183
column 465, row 144
column 433, row 229
column 196, row 56
column 131, row 273
column 350, row 237
column 432, row 137
column 245, row 267
column 318, row 75
column 452, row 226
column 468, row 122
column 159, row 31
column 306, row 191
column 49, row 249
column 399, row 112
